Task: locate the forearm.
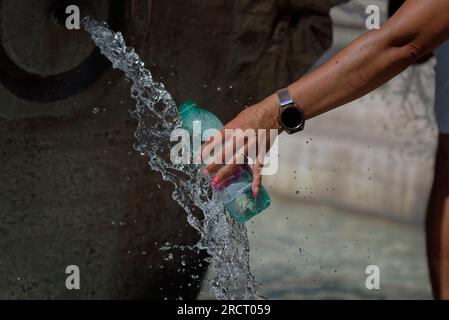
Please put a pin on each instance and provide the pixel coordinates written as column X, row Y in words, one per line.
column 374, row 58
column 364, row 65
column 368, row 62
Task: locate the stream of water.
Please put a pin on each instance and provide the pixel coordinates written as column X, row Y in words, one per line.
column 224, row 240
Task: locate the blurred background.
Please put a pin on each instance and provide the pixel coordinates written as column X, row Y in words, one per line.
column 351, row 191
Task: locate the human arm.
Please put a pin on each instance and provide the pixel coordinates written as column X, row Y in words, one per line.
column 368, row 62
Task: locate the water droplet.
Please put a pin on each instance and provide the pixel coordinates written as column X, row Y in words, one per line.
column 155, row 102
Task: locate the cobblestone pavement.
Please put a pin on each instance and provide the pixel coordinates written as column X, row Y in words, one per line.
column 314, row 252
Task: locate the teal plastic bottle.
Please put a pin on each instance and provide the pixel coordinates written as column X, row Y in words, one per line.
column 235, row 192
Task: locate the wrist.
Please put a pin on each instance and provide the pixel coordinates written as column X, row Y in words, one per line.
column 291, row 115
column 270, row 105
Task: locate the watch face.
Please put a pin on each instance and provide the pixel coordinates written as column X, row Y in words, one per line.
column 291, row 118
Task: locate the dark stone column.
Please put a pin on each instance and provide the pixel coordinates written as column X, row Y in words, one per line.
column 72, row 189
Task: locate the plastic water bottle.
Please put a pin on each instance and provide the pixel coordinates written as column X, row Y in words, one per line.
column 235, row 192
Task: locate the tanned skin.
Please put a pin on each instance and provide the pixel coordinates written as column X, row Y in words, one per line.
column 412, row 33
column 437, row 222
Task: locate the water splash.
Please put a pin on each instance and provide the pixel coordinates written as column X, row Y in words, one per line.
column 224, row 240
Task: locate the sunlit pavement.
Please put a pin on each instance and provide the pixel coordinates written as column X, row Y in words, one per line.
column 314, row 252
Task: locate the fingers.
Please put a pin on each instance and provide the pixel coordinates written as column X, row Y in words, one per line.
column 213, row 164
column 224, row 173
column 226, row 150
column 222, row 156
column 214, row 142
column 257, row 178
column 234, row 150
column 228, row 168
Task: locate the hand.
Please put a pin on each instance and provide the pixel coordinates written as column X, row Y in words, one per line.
column 237, row 144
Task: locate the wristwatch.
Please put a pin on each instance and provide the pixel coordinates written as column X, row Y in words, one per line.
column 291, row 116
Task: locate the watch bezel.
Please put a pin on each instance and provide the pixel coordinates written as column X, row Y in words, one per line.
column 301, row 124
